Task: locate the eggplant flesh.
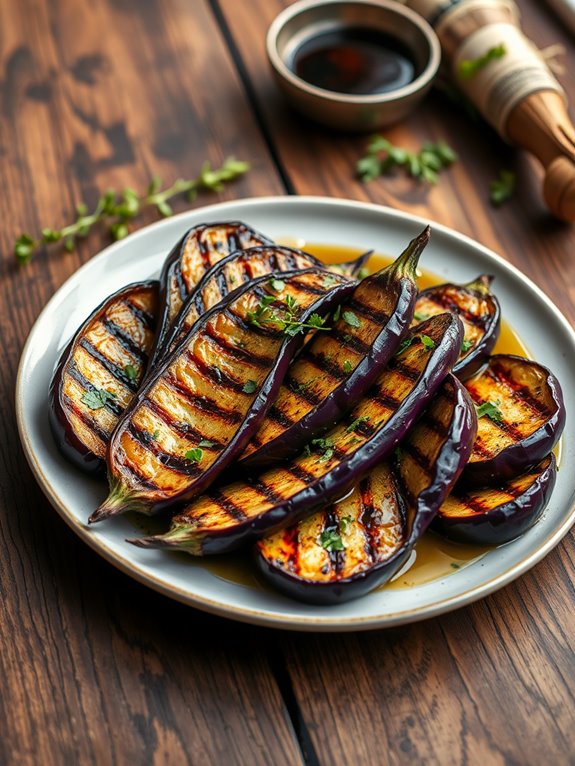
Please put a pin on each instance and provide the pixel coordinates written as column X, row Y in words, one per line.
column 233, row 271
column 479, row 311
column 334, row 370
column 198, row 250
column 197, row 411
column 359, row 543
column 100, row 371
column 522, row 416
column 495, row 515
column 329, row 467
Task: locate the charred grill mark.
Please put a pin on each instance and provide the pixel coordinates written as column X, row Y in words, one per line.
column 300, row 473
column 291, row 538
column 214, row 374
column 368, row 312
column 142, row 316
column 303, row 391
column 176, row 463
column 336, row 558
column 279, row 417
column 386, row 400
column 397, row 365
column 86, row 419
column 447, row 303
column 325, row 365
column 125, row 341
column 132, row 470
column 234, row 240
column 178, row 280
column 437, row 426
column 227, row 505
column 304, row 286
column 417, row 455
column 111, row 367
column 266, row 491
column 75, row 373
column 481, row 449
column 366, row 519
column 266, row 331
column 178, row 426
column 354, row 343
column 254, row 359
column 222, row 284
column 523, row 392
column 202, row 403
column 501, row 425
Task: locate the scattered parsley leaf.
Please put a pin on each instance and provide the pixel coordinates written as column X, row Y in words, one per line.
column 490, row 410
column 277, row 284
column 351, row 319
column 155, row 435
column 130, row 372
column 405, row 343
column 331, row 541
column 468, row 68
column 323, row 446
column 420, row 316
column 466, row 345
column 316, row 321
column 425, row 165
column 206, row 443
column 345, row 522
column 453, row 565
column 347, row 366
column 352, row 426
column 428, row 342
column 502, row 188
column 97, row 399
column 194, row 455
column 249, row 386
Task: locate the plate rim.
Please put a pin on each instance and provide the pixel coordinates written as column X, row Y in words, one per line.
column 250, row 614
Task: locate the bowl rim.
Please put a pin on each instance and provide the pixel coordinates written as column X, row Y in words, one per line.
column 391, row 6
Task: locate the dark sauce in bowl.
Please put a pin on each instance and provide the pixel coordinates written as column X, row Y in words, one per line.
column 354, row 60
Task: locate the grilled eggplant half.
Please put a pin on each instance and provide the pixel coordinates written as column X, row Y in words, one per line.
column 231, row 272
column 329, row 467
column 491, row 516
column 334, row 370
column 197, row 412
column 198, row 250
column 479, row 311
column 521, row 416
column 100, row 371
column 359, row 543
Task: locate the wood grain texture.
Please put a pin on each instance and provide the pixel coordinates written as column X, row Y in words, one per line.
column 95, row 668
column 491, row 683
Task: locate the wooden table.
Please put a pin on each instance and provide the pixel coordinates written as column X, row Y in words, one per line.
column 96, row 668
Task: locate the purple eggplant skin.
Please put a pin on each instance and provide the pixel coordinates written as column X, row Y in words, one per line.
column 480, row 312
column 418, row 504
column 144, row 495
column 335, row 400
column 67, row 441
column 508, row 520
column 531, row 382
column 176, row 284
column 275, row 499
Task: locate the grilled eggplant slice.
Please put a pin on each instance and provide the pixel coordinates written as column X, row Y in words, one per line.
column 231, row 272
column 333, row 371
column 198, row 250
column 356, row 545
column 100, row 371
column 197, row 412
column 329, row 467
column 521, row 416
column 492, row 516
column 479, row 311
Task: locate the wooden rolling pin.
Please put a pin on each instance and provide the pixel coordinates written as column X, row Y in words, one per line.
column 515, row 92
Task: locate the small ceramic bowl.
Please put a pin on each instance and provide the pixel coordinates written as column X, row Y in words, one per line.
column 358, row 113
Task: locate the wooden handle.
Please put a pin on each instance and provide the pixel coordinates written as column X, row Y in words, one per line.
column 541, row 125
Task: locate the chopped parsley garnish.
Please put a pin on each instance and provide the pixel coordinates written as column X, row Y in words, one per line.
column 232, row 279
column 405, row 343
column 277, row 284
column 421, row 316
column 428, row 342
column 323, row 446
column 502, row 188
column 468, row 68
column 155, row 435
column 490, row 410
column 347, row 366
column 286, row 318
column 97, row 399
column 249, row 386
column 466, row 345
column 425, row 165
column 351, row 319
column 352, row 426
column 130, row 372
column 331, row 541
column 345, row 523
column 194, row 455
column 206, row 443
column 455, row 566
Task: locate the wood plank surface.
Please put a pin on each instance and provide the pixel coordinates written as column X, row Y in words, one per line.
column 96, row 668
column 491, row 683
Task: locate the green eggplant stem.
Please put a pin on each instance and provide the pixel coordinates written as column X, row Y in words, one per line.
column 406, row 263
column 118, row 501
column 180, row 537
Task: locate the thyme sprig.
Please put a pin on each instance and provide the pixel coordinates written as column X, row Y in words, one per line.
column 118, row 208
column 285, row 319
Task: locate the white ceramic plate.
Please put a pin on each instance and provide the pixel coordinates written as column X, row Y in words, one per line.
column 548, row 335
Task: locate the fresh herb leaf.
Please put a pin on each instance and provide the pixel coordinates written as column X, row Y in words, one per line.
column 285, row 319
column 337, row 313
column 490, row 410
column 347, row 366
column 358, row 421
column 453, row 565
column 316, row 321
column 130, row 372
column 428, row 342
column 206, row 443
column 331, row 541
column 424, row 165
column 155, row 435
column 345, row 523
column 329, row 280
column 468, row 68
column 466, row 345
column 420, row 316
column 351, row 319
column 502, row 188
column 277, row 284
column 96, row 399
column 249, row 386
column 325, row 447
column 194, row 455
column 405, row 343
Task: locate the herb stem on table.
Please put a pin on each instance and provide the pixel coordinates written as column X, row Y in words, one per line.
column 425, row 165
column 117, row 209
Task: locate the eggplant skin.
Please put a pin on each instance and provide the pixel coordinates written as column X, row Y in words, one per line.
column 238, row 513
column 532, row 412
column 386, row 514
column 198, row 410
column 478, row 309
column 82, row 434
column 492, row 516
